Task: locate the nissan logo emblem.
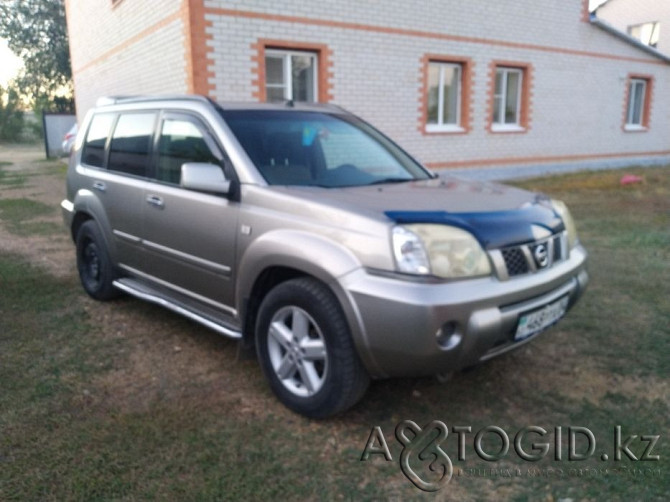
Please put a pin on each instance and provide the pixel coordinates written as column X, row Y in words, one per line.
column 541, row 256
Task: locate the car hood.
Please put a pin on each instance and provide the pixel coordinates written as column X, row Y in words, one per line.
column 497, row 215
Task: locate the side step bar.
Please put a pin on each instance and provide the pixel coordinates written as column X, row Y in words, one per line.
column 142, row 294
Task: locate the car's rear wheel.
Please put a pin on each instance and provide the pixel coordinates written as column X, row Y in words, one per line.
column 96, row 271
column 306, row 351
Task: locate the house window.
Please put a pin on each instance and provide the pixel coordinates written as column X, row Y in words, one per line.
column 638, row 104
column 507, row 98
column 291, row 75
column 647, row 33
column 444, row 87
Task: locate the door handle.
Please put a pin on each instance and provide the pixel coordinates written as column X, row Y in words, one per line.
column 100, row 186
column 155, row 200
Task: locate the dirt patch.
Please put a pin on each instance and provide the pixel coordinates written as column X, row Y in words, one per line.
column 164, row 357
column 44, row 182
column 161, row 356
column 568, row 373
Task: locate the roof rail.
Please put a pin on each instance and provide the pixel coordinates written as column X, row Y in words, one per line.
column 114, row 100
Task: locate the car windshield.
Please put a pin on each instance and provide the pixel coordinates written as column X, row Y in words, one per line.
column 319, row 149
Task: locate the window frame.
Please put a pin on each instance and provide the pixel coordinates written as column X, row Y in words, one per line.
column 151, row 143
column 524, row 97
column 464, row 112
column 645, row 111
column 105, row 148
column 504, row 125
column 441, row 125
column 655, row 30
column 287, row 58
column 203, row 126
column 324, row 70
column 633, row 84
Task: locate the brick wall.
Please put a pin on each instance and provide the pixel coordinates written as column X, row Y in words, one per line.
column 377, row 55
column 376, row 62
column 126, row 47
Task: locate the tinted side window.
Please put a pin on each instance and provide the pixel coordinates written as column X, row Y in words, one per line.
column 94, row 147
column 131, row 143
column 181, row 141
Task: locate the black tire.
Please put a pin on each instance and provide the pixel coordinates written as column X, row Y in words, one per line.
column 312, row 385
column 96, row 271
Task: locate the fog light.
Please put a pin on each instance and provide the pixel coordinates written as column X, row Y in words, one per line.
column 448, row 336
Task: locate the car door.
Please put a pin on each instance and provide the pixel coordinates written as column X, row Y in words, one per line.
column 189, row 236
column 116, row 157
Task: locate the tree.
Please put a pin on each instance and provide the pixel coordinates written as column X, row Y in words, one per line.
column 36, row 31
column 11, row 116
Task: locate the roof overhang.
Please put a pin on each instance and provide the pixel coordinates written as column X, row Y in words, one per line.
column 603, row 25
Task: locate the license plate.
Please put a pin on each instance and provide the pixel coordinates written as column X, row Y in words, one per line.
column 536, row 321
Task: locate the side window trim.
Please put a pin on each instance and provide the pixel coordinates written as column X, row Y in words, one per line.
column 202, row 125
column 105, row 153
column 108, row 143
column 151, row 157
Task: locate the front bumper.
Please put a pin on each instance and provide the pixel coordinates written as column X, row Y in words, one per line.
column 395, row 322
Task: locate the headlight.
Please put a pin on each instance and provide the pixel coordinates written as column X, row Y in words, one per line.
column 439, row 250
column 569, row 223
column 410, row 255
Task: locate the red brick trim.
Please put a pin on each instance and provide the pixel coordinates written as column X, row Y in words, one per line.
column 195, row 48
column 646, row 107
column 467, row 107
column 586, row 14
column 526, row 95
column 324, row 65
column 538, row 160
column 346, row 25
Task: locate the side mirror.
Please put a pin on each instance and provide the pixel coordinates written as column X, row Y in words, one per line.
column 204, row 178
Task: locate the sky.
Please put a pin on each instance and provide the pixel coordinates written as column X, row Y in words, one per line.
column 9, row 63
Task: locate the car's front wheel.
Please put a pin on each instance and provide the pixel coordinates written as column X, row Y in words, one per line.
column 306, row 351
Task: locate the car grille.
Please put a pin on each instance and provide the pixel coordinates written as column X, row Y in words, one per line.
column 515, row 261
column 529, row 258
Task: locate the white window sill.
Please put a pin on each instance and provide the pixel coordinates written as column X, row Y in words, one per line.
column 634, row 128
column 446, row 128
column 507, row 128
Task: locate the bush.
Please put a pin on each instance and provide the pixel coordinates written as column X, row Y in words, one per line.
column 11, row 115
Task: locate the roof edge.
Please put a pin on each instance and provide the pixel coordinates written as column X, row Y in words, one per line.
column 603, row 25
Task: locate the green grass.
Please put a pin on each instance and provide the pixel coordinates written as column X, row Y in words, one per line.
column 19, row 179
column 16, row 214
column 66, row 434
column 11, row 180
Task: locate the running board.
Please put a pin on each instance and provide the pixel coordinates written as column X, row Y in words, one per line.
column 159, row 300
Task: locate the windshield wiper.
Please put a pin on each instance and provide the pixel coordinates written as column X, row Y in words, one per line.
column 390, row 180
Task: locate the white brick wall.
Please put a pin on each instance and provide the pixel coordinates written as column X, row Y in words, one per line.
column 579, row 71
column 115, row 52
column 577, row 103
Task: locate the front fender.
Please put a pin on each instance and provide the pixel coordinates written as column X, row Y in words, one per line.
column 312, row 254
column 317, row 256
